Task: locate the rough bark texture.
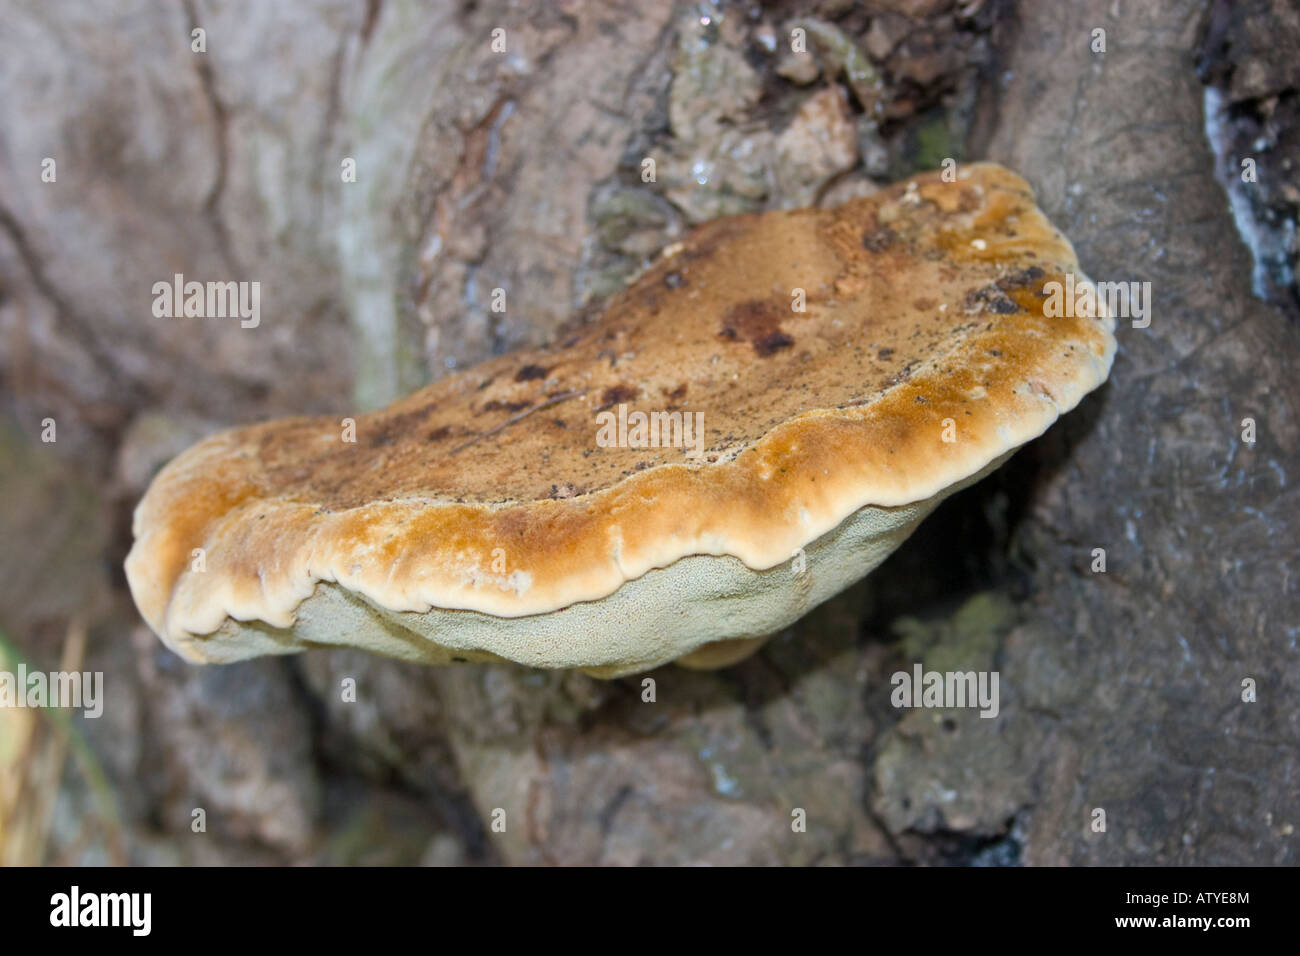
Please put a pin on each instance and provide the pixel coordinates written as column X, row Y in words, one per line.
column 521, row 172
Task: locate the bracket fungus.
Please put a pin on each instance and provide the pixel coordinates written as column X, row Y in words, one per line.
column 751, row 426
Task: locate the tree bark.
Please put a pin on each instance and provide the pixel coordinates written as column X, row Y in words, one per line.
column 520, row 170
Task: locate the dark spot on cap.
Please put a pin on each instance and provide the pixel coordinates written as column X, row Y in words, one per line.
column 1021, row 278
column 758, row 321
column 878, row 240
column 900, row 377
column 617, row 393
column 438, row 434
column 497, row 406
column 772, row 343
column 674, row 280
column 885, row 354
column 529, row 373
column 991, row 299
column 675, row 394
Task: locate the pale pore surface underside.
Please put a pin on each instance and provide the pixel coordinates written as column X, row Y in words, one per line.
column 710, row 610
column 488, row 492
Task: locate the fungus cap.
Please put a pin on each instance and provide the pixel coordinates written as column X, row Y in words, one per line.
column 849, row 368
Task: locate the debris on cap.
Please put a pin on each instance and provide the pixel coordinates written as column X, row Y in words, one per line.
column 848, row 368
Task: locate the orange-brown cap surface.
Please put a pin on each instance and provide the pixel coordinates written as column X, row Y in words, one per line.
column 849, row 367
